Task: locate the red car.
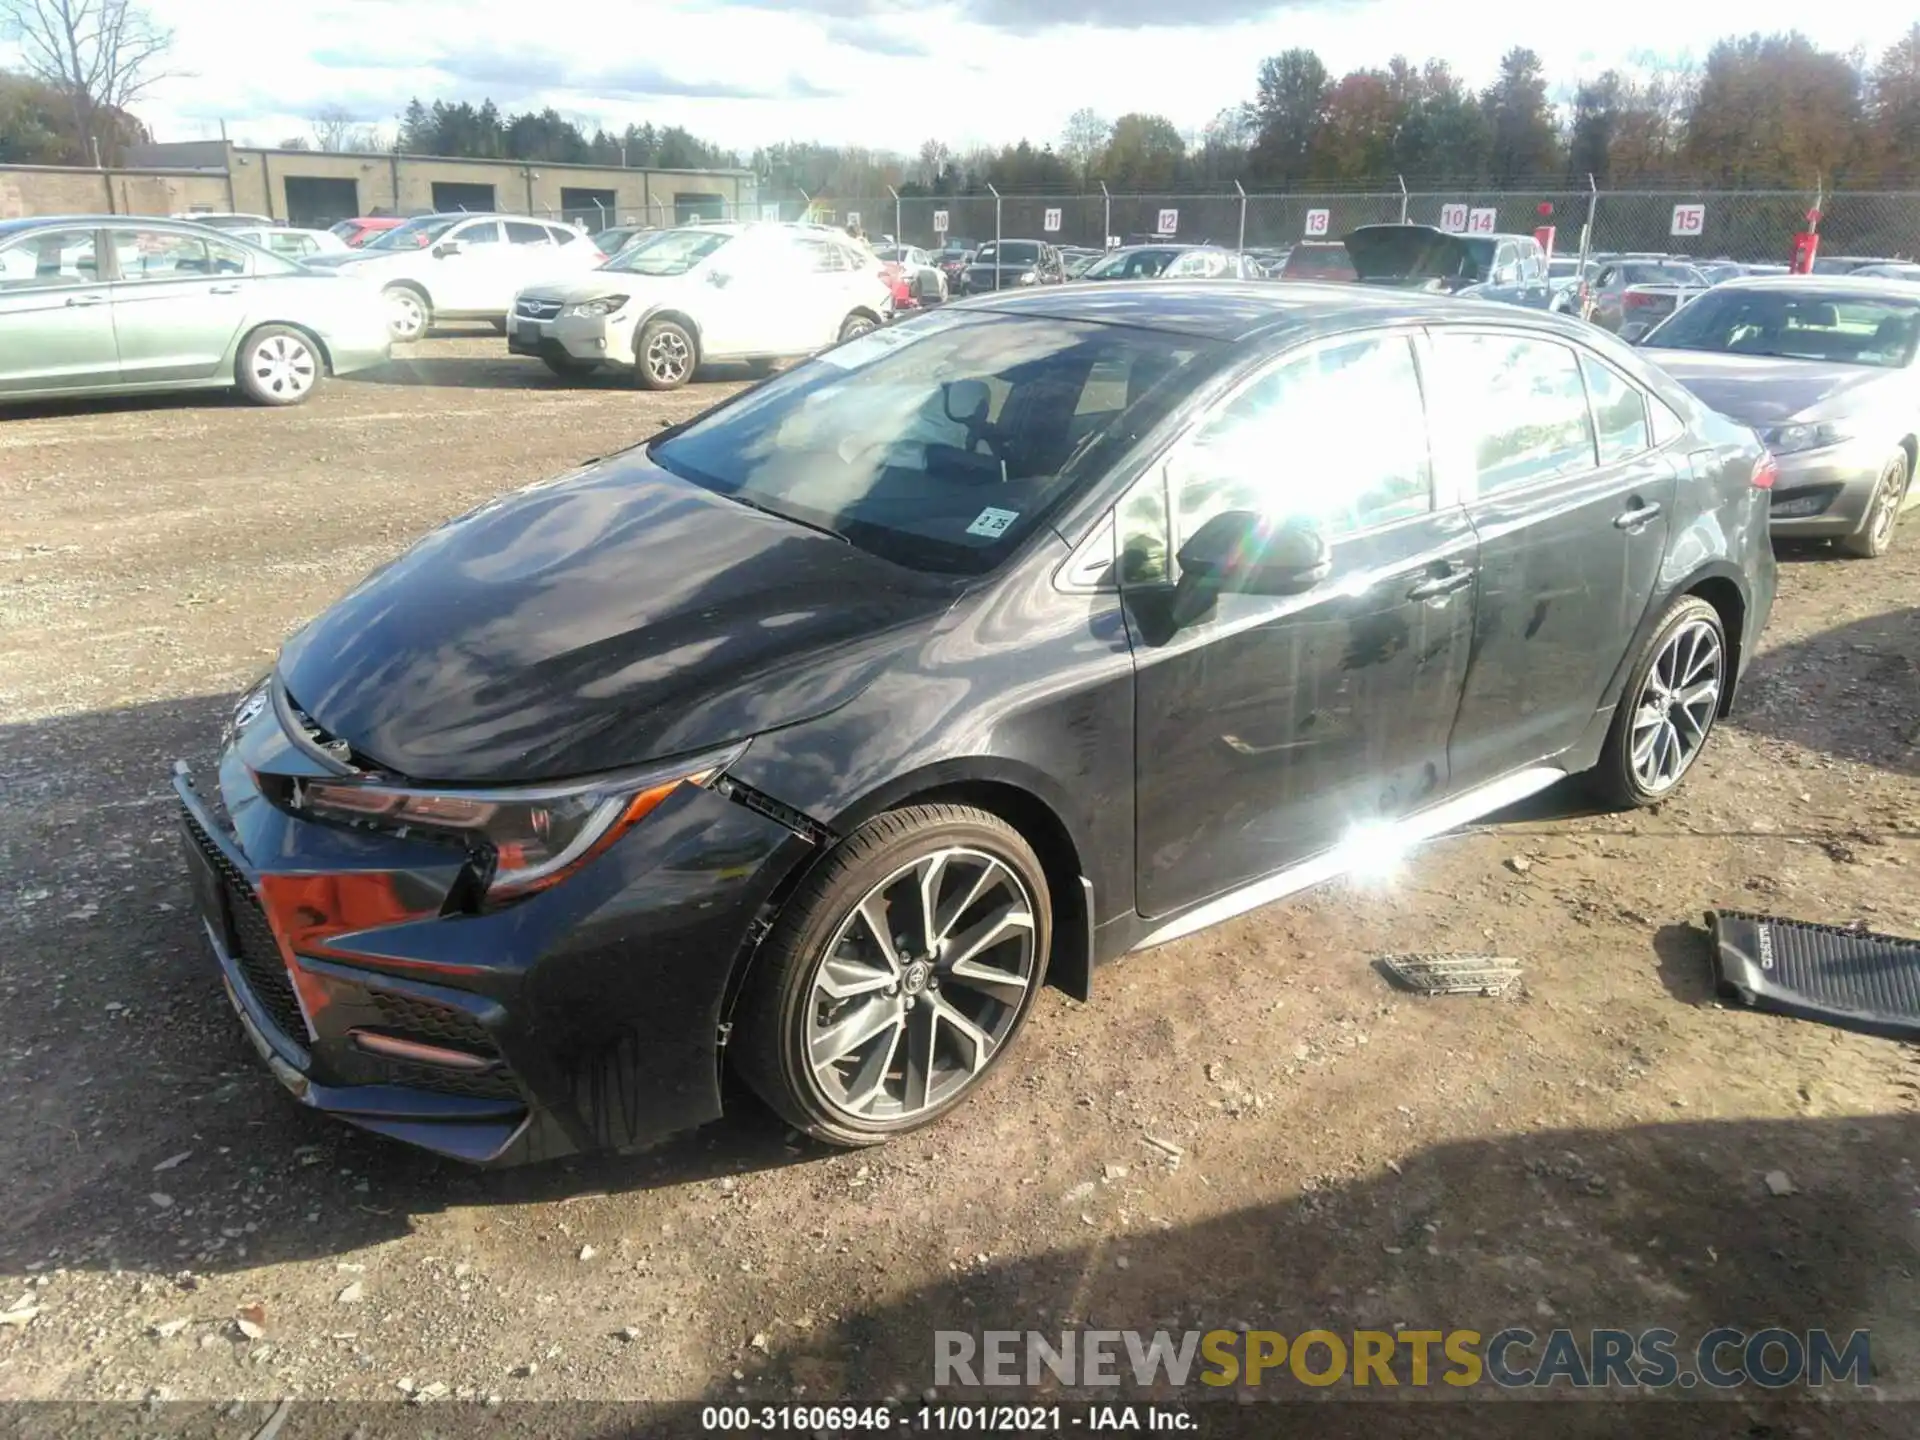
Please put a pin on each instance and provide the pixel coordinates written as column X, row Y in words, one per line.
column 358, row 231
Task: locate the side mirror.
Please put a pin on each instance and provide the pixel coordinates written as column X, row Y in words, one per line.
column 449, row 247
column 1238, row 550
column 719, row 279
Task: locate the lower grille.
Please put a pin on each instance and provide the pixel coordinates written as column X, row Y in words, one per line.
column 431, row 1023
column 255, row 950
column 485, row 1085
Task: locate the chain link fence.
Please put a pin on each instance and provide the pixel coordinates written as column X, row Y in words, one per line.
column 1744, row 225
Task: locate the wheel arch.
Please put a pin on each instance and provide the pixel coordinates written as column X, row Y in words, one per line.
column 311, row 336
column 418, row 287
column 1721, row 585
column 1911, row 444
column 679, row 317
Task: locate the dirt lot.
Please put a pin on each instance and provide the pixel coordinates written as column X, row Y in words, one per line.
column 1589, row 1153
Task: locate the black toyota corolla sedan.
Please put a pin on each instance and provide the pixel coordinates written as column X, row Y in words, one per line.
column 813, row 736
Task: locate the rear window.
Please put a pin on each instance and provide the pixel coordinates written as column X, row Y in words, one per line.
column 1013, row 252
column 1319, row 262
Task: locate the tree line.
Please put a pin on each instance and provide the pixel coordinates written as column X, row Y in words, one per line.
column 1759, row 111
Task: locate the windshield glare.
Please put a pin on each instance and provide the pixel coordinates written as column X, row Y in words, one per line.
column 1843, row 329
column 414, row 235
column 939, row 443
column 670, row 252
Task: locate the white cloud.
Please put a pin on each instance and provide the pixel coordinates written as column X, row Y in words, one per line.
column 850, row 71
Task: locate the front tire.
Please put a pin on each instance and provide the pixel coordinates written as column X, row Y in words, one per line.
column 854, row 1035
column 1667, row 708
column 278, row 365
column 408, row 313
column 1875, row 536
column 664, row 355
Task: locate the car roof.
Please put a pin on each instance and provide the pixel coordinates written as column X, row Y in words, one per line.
column 1870, row 286
column 61, row 222
column 1233, row 311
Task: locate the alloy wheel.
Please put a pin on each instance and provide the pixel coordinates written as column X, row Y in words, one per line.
column 1886, row 503
column 284, row 366
column 668, row 357
column 920, row 985
column 855, row 327
column 1676, row 707
column 406, row 316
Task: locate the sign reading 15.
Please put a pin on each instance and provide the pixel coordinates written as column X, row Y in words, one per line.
column 1689, row 219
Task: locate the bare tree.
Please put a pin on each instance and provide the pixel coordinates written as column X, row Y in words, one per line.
column 336, row 129
column 101, row 55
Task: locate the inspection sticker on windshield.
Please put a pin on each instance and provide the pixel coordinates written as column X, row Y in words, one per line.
column 992, row 523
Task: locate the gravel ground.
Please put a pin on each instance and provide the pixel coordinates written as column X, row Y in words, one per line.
column 1589, row 1152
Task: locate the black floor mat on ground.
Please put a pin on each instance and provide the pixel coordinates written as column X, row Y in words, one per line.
column 1851, row 979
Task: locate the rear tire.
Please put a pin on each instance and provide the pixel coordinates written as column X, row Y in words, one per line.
column 1667, row 708
column 856, row 325
column 278, row 365
column 855, row 1037
column 408, row 313
column 568, row 368
column 1875, row 536
column 664, row 355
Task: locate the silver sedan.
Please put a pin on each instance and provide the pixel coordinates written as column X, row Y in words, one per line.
column 1824, row 369
column 120, row 304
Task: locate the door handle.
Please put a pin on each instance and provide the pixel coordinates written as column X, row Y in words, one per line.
column 224, row 290
column 1432, row 589
column 75, row 301
column 1637, row 518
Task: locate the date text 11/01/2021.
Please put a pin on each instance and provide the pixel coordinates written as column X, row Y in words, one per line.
column 942, row 1419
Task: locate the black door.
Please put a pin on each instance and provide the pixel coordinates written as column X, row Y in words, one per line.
column 1270, row 727
column 452, row 195
column 1572, row 531
column 316, row 201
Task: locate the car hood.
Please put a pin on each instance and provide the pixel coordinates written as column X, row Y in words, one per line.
column 1409, row 254
column 334, row 259
column 1760, row 390
column 608, row 618
column 595, row 283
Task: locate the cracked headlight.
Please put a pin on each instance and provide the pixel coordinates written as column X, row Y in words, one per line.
column 598, row 309
column 533, row 836
column 1791, row 439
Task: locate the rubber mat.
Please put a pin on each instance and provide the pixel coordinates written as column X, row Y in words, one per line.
column 1850, row 979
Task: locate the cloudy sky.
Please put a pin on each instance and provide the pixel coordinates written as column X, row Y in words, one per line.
column 884, row 73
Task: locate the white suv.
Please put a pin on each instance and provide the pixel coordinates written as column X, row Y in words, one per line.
column 672, row 300
column 462, row 267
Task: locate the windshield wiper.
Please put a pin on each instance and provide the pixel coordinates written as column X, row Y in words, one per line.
column 742, row 499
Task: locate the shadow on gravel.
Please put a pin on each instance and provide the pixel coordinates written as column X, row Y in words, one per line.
column 1851, row 692
column 1648, row 1226
column 520, row 372
column 118, row 1050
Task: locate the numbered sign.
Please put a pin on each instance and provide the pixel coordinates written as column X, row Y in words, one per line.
column 1050, row 221
column 853, row 217
column 939, row 222
column 1169, row 222
column 1113, row 242
column 1483, row 222
column 1318, row 220
column 1689, row 219
column 1453, row 218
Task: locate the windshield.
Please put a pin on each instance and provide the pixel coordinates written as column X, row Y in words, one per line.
column 414, row 235
column 1013, row 252
column 1797, row 325
column 1132, row 265
column 669, row 252
column 942, row 442
column 1317, row 261
column 344, row 228
column 1660, row 275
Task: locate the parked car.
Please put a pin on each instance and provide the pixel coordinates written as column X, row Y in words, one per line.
column 1847, row 264
column 120, row 304
column 291, row 244
column 1634, row 295
column 912, row 275
column 780, row 745
column 1270, row 262
column 953, row 259
column 1075, row 260
column 463, row 267
column 1009, row 264
column 1171, row 262
column 1510, row 269
column 1890, row 270
column 1568, row 277
column 358, row 231
column 1320, row 260
column 225, row 219
column 675, row 299
column 1824, row 369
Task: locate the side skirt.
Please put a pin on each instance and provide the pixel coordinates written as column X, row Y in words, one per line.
column 1356, row 852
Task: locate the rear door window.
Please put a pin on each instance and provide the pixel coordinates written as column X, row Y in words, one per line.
column 1619, row 412
column 1513, row 408
column 525, row 232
